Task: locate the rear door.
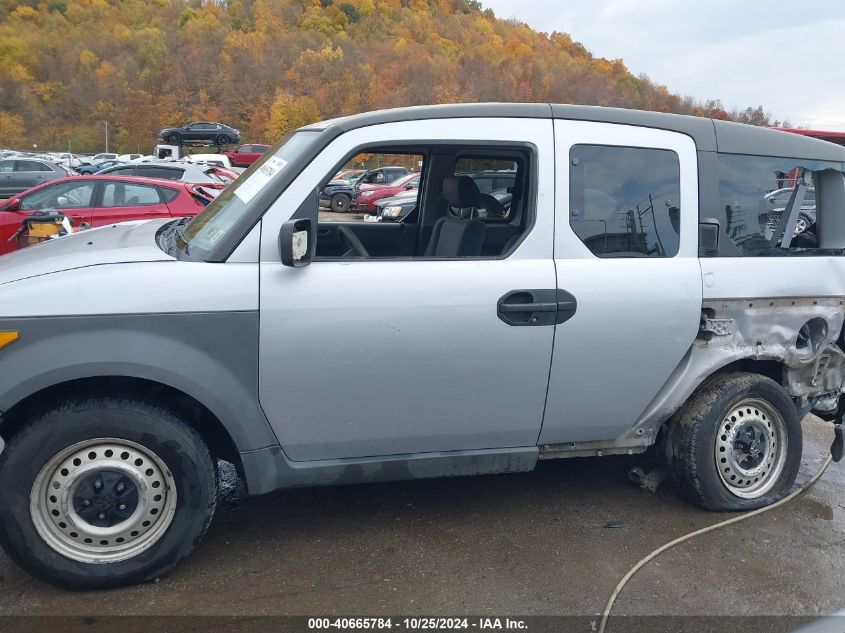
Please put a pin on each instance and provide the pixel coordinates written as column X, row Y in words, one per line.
column 248, row 155
column 626, row 240
column 124, row 201
column 29, row 173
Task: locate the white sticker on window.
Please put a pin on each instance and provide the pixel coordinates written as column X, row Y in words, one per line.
column 250, row 188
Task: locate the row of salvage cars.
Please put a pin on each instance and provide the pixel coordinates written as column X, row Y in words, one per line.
column 120, row 193
column 390, row 194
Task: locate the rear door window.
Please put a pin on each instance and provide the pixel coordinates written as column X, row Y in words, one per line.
column 167, row 173
column 124, row 194
column 625, row 201
column 31, row 165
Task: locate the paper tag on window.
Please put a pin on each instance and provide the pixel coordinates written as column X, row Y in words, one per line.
column 250, row 188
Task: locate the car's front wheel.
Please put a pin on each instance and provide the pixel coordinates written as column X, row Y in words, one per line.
column 223, row 140
column 736, row 444
column 103, row 492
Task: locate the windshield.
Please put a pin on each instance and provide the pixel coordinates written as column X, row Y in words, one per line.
column 222, row 215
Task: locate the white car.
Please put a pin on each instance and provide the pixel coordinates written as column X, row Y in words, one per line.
column 221, row 160
column 102, row 157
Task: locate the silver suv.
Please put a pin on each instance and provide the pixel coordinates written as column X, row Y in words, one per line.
column 631, row 297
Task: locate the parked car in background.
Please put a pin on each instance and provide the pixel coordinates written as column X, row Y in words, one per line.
column 246, row 155
column 337, row 194
column 777, row 201
column 20, row 174
column 493, row 180
column 221, row 160
column 349, row 175
column 68, row 159
column 102, row 200
column 104, row 156
column 186, row 172
column 201, row 132
column 396, row 208
column 87, row 170
column 129, row 157
column 367, row 194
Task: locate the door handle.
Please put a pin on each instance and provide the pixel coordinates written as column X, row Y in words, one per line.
column 516, row 308
column 545, row 306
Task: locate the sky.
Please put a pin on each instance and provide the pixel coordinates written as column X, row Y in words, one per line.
column 788, row 56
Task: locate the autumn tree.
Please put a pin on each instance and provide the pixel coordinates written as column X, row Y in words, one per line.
column 12, row 131
column 288, row 113
column 268, row 66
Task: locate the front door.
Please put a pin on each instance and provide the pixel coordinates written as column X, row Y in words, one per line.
column 376, row 356
column 626, row 249
column 73, row 197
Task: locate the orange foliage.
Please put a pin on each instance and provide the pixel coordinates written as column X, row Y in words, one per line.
column 264, row 66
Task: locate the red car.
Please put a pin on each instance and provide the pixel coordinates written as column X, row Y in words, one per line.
column 245, row 155
column 102, row 200
column 365, row 197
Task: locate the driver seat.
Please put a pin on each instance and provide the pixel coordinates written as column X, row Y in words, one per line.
column 459, row 236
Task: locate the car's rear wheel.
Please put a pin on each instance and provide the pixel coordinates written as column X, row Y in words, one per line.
column 223, row 140
column 736, row 444
column 174, row 138
column 104, row 492
column 340, row 203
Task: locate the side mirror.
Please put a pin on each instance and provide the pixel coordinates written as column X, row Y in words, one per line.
column 12, row 205
column 708, row 238
column 295, row 242
column 408, row 187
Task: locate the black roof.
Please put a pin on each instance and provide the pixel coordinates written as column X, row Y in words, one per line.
column 710, row 135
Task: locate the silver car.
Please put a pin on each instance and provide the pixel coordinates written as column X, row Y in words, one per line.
column 20, row 174
column 184, row 172
column 629, row 299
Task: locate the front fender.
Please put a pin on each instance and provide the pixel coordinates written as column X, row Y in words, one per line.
column 212, row 357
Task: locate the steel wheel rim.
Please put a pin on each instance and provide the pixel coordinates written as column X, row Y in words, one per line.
column 340, row 203
column 751, row 448
column 70, row 527
column 800, row 225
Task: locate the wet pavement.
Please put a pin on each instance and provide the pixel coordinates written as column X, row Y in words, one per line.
column 526, row 544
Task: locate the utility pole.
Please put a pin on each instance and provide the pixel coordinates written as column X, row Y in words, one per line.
column 107, row 136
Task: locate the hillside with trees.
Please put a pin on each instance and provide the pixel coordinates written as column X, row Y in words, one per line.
column 267, row 66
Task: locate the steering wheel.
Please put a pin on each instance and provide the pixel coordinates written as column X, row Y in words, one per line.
column 351, row 241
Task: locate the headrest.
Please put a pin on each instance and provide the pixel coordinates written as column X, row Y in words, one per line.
column 461, row 192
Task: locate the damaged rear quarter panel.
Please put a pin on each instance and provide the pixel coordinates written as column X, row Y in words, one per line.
column 758, row 307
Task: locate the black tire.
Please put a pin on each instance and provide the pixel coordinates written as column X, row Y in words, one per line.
column 174, row 138
column 340, row 203
column 222, row 140
column 693, row 435
column 157, row 430
column 806, row 220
